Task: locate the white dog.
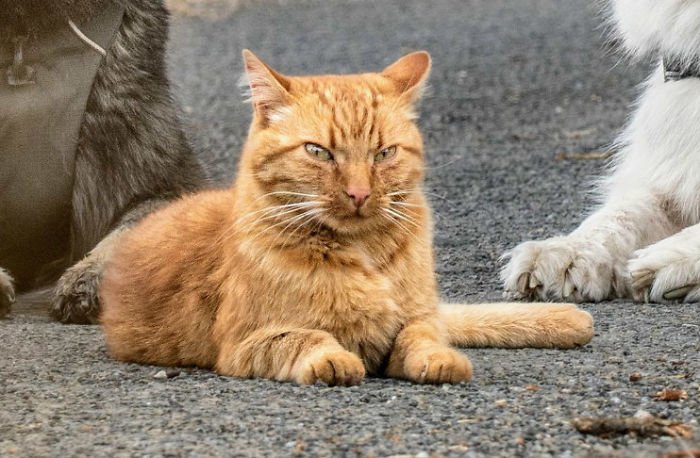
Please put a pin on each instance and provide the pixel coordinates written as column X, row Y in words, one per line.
column 643, row 241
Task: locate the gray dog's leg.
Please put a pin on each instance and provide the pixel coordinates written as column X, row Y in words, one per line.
column 76, row 299
column 7, row 293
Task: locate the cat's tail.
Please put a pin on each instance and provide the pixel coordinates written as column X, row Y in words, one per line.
column 517, row 325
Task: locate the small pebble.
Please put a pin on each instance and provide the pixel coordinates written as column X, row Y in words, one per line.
column 166, row 374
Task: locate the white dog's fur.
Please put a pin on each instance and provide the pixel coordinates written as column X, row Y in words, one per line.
column 644, row 240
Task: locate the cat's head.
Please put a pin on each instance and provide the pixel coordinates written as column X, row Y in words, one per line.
column 344, row 150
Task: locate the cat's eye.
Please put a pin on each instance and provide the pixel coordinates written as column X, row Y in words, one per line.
column 385, row 154
column 318, row 152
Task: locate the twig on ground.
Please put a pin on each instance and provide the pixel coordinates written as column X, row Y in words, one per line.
column 589, row 156
column 643, row 426
column 691, row 453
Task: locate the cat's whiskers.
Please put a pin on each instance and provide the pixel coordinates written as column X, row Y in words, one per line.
column 294, row 206
column 408, row 206
column 300, row 221
column 301, row 224
column 425, row 193
column 392, row 219
column 404, row 204
column 402, row 192
column 401, row 196
column 401, row 216
column 266, row 211
column 272, row 212
column 302, row 216
column 402, row 208
column 288, row 221
column 415, row 191
column 444, row 164
column 287, row 193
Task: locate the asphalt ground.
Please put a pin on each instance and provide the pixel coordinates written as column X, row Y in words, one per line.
column 514, row 85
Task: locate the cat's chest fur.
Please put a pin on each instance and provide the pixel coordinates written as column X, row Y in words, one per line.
column 326, row 285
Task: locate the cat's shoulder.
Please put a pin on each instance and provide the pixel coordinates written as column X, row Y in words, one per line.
column 194, row 213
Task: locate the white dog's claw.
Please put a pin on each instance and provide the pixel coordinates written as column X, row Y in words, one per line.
column 523, row 282
column 678, row 293
column 569, row 287
column 642, row 279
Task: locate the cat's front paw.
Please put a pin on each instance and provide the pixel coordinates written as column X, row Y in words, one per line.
column 331, row 367
column 665, row 272
column 559, row 268
column 438, row 365
column 76, row 299
column 7, row 293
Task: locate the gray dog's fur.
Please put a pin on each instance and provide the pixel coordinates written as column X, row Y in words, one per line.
column 132, row 154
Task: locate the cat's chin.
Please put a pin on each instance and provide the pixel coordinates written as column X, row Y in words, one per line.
column 352, row 224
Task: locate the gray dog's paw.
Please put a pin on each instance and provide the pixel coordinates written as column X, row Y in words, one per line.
column 76, row 300
column 7, row 294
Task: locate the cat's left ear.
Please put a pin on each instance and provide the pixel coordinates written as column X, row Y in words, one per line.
column 409, row 74
column 269, row 89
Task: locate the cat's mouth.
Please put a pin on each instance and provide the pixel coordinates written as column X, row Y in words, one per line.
column 354, row 213
column 377, row 217
column 348, row 222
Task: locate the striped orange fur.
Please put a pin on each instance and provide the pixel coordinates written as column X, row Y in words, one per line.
column 317, row 264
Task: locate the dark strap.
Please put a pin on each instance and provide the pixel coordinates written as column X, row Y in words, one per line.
column 676, row 70
column 43, row 95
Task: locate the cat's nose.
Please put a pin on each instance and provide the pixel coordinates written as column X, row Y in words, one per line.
column 358, row 195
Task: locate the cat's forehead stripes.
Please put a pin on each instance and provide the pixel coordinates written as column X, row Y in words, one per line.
column 352, row 109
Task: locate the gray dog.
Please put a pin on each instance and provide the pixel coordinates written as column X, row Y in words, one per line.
column 90, row 141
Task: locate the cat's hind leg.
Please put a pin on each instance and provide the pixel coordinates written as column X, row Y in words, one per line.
column 76, row 298
column 422, row 354
column 669, row 270
column 298, row 355
column 7, row 293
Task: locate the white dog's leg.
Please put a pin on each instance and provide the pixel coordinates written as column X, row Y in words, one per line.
column 651, row 194
column 590, row 263
column 668, row 270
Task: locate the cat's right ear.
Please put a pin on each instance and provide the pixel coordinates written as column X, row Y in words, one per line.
column 269, row 90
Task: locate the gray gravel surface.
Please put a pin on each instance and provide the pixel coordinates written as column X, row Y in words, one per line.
column 514, row 83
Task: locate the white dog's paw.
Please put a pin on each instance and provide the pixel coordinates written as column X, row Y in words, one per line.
column 560, row 268
column 668, row 271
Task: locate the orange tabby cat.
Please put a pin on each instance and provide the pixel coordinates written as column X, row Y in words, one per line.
column 317, row 265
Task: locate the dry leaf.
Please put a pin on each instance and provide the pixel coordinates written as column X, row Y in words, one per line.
column 671, row 395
